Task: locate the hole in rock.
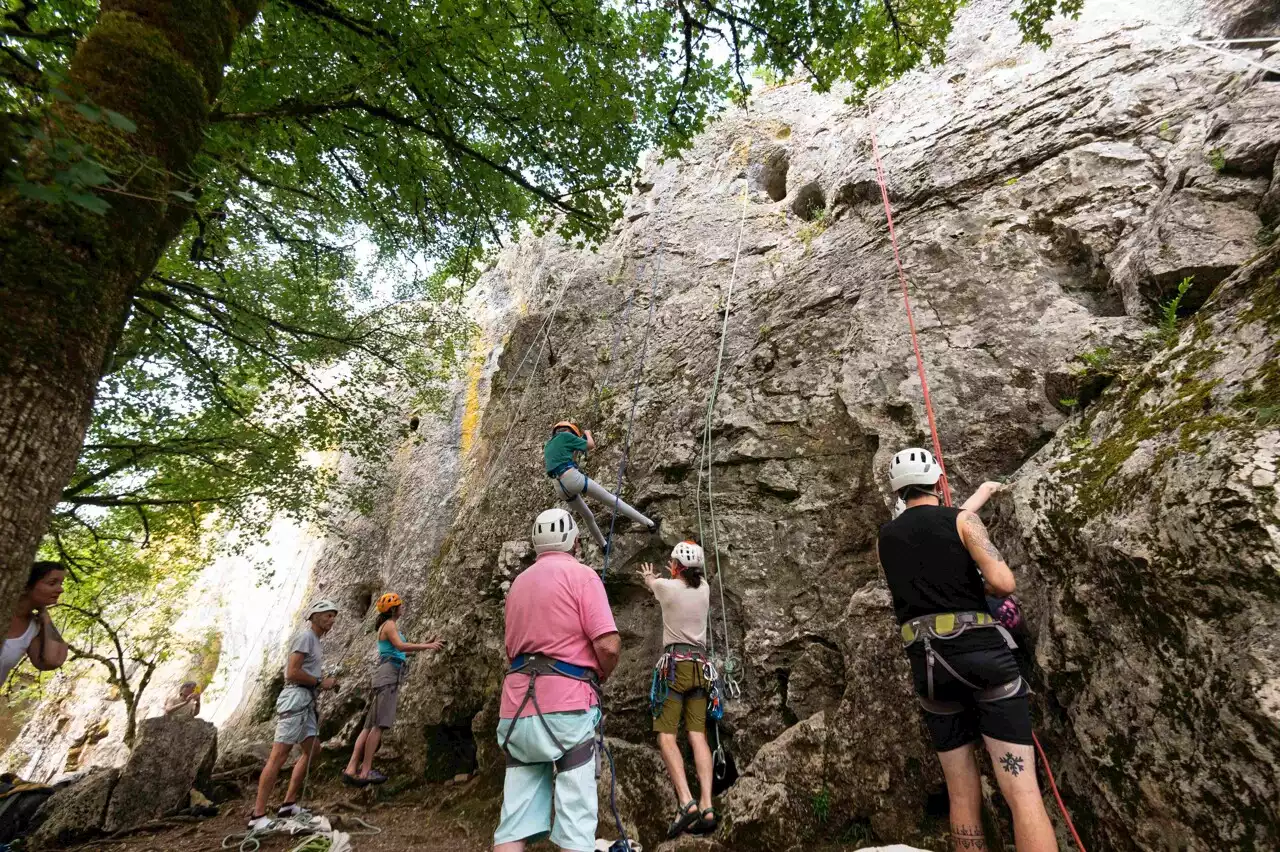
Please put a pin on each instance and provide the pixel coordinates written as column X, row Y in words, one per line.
column 770, row 174
column 809, row 202
column 413, row 423
column 451, row 750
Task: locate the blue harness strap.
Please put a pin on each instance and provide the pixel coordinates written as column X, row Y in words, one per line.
column 556, row 473
column 535, row 665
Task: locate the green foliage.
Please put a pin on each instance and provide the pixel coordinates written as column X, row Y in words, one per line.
column 1266, row 236
column 1217, row 159
column 1165, row 132
column 1035, row 14
column 813, row 229
column 822, row 805
column 1168, row 328
column 1069, row 402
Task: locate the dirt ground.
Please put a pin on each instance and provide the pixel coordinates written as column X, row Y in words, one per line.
column 431, row 818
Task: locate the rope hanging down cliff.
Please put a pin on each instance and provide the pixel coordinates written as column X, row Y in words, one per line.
column 631, row 418
column 729, row 667
column 928, row 407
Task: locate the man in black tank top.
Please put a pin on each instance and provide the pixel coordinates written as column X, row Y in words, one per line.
column 940, row 564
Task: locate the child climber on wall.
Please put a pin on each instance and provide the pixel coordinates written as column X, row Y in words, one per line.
column 387, row 677
column 561, row 453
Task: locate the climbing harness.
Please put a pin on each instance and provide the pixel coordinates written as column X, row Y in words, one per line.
column 635, row 397
column 664, row 678
column 932, row 629
column 540, row 665
column 943, row 627
column 729, row 667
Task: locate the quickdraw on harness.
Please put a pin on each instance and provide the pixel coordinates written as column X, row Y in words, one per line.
column 538, row 665
column 944, row 627
column 664, row 678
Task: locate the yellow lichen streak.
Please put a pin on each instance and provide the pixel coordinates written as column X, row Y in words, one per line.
column 471, row 411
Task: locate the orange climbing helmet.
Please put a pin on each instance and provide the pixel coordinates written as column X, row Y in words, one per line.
column 565, row 424
column 388, row 602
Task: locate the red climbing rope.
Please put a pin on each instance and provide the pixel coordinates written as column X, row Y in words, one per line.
column 1053, row 785
column 933, row 426
column 911, row 322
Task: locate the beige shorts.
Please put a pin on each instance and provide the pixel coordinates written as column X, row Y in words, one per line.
column 382, row 707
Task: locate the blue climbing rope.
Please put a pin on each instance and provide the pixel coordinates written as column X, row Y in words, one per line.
column 635, row 397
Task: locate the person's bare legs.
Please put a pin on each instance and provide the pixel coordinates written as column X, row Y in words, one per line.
column 270, row 772
column 518, row 846
column 353, row 765
column 1015, row 767
column 309, row 747
column 702, row 763
column 370, row 747
column 670, row 750
column 964, row 789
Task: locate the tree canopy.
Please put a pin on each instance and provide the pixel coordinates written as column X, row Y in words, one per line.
column 431, row 132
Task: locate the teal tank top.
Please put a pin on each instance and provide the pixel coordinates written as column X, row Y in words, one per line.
column 388, row 651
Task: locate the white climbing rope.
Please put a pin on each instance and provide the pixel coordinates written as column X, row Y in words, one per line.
column 729, row 667
column 1212, row 47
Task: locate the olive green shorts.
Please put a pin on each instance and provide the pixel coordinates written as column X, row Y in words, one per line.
column 694, row 709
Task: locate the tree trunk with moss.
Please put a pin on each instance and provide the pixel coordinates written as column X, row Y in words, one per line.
column 66, row 274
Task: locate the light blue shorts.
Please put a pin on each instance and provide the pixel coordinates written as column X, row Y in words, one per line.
column 530, row 791
column 296, row 716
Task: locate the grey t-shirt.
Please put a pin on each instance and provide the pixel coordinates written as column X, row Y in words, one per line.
column 307, row 643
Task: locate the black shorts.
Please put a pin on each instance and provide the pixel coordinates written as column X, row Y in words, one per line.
column 982, row 658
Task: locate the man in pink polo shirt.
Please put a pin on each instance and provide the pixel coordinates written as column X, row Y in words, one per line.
column 562, row 643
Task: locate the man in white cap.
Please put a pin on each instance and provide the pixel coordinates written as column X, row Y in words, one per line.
column 296, row 719
column 562, row 643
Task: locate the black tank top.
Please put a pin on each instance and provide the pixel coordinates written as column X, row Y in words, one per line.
column 927, row 566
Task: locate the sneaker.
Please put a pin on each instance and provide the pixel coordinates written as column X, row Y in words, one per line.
column 259, row 823
column 656, row 529
column 291, row 810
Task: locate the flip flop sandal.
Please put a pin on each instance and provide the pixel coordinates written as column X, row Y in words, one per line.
column 685, row 817
column 353, row 781
column 707, row 823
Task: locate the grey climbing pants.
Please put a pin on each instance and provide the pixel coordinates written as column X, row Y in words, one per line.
column 570, row 487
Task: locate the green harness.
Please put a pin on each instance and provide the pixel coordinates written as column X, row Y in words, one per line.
column 942, row 627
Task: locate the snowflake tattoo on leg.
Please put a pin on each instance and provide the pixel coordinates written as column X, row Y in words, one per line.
column 1011, row 764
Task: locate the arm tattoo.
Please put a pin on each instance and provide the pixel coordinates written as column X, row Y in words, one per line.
column 1012, row 764
column 968, row 838
column 978, row 530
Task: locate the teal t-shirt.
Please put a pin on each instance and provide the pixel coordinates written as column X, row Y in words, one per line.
column 562, row 449
column 386, row 649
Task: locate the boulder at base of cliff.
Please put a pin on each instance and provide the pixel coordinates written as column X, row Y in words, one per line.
column 172, row 756
column 76, row 812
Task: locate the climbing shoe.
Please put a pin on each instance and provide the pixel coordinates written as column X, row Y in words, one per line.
column 685, row 817
column 656, row 529
column 353, row 780
column 374, row 777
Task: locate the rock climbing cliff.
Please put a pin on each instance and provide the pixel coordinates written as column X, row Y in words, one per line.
column 1049, row 206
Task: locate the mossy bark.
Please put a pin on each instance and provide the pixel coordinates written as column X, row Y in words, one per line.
column 67, row 275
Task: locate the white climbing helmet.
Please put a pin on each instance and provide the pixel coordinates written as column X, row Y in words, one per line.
column 322, row 605
column 554, row 530
column 689, row 555
column 914, row 466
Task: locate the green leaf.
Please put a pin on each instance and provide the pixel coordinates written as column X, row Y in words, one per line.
column 89, row 112
column 89, row 202
column 185, row 196
column 39, row 192
column 120, row 122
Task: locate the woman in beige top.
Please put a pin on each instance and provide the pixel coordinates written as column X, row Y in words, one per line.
column 685, row 600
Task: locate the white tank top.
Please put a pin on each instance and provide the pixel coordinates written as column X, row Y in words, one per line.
column 14, row 649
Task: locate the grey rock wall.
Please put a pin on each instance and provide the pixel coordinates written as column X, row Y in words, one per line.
column 1046, row 203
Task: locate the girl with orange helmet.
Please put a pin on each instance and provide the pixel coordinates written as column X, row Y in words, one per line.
column 392, row 654
column 561, row 453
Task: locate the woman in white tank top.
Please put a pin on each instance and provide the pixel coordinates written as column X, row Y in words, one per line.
column 31, row 631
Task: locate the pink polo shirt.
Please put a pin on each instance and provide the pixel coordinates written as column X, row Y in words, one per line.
column 557, row 607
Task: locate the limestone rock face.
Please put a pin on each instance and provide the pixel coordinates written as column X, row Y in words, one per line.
column 76, row 812
column 1150, row 532
column 1047, row 204
column 173, row 755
